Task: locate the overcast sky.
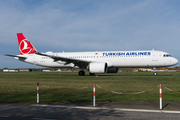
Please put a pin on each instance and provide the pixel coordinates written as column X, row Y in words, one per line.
column 89, row 25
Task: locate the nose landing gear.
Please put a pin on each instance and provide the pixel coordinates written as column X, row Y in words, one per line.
column 155, row 73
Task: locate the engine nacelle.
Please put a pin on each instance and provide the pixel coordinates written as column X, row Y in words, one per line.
column 112, row 70
column 98, row 67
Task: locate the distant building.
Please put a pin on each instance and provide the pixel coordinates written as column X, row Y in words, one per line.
column 8, row 70
column 46, row 70
column 143, row 69
column 25, row 70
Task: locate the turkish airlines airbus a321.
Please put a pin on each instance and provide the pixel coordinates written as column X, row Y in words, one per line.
column 95, row 62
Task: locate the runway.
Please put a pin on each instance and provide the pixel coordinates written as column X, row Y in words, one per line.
column 71, row 112
column 90, row 75
column 114, row 109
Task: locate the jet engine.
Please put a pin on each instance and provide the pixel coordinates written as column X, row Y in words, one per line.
column 98, row 67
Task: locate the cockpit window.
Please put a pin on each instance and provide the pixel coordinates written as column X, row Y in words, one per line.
column 166, row 55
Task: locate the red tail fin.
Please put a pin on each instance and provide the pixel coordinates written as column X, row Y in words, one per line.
column 25, row 46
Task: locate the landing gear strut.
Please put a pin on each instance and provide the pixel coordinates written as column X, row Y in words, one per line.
column 81, row 73
column 155, row 73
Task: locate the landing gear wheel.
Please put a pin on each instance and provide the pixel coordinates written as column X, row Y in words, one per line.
column 155, row 73
column 81, row 73
column 91, row 73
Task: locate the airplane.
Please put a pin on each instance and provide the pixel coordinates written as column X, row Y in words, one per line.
column 94, row 62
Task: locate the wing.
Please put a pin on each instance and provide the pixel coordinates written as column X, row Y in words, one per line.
column 77, row 62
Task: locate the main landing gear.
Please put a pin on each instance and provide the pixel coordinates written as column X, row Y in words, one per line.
column 81, row 73
column 92, row 74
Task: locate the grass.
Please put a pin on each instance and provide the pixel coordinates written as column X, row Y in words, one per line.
column 54, row 88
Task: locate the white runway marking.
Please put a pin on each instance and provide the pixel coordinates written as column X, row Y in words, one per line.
column 101, row 108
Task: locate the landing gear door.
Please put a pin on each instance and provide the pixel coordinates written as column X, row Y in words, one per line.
column 154, row 56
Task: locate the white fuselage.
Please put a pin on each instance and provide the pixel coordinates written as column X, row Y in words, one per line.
column 117, row 59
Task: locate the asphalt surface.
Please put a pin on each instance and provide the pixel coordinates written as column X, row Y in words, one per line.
column 87, row 75
column 55, row 112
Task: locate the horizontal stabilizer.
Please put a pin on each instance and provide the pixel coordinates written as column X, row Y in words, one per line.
column 15, row 56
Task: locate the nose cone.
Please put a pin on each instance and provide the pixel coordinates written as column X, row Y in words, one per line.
column 175, row 61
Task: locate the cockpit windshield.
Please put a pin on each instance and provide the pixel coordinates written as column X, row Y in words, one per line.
column 167, row 55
